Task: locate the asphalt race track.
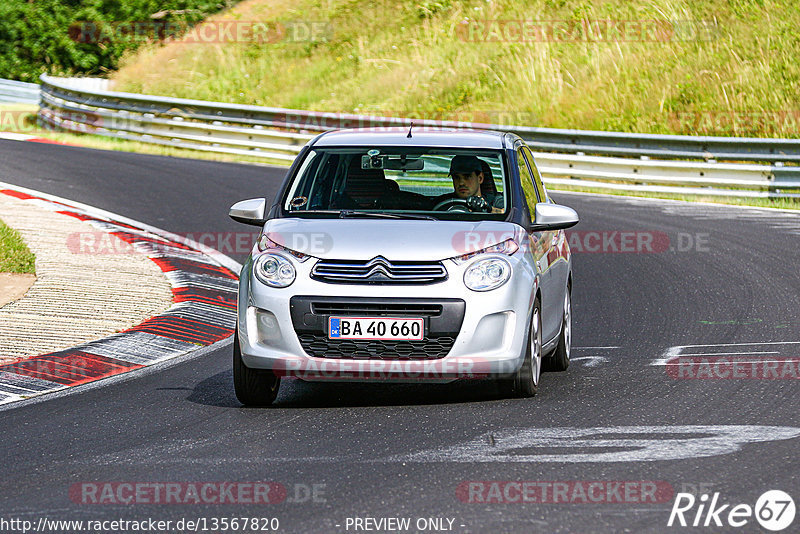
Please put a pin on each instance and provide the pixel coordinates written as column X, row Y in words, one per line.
column 723, row 278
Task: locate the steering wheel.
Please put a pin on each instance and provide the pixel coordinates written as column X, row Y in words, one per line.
column 452, row 204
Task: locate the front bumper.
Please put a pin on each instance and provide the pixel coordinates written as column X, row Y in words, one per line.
column 489, row 335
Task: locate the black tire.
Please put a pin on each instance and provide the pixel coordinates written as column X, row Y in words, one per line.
column 525, row 382
column 253, row 387
column 559, row 360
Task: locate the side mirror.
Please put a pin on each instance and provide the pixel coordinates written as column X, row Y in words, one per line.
column 553, row 217
column 249, row 211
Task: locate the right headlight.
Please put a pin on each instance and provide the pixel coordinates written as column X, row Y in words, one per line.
column 265, row 243
column 487, row 274
column 274, row 270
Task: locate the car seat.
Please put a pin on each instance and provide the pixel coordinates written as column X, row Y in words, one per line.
column 366, row 188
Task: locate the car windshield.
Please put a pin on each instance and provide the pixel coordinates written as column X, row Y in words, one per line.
column 401, row 181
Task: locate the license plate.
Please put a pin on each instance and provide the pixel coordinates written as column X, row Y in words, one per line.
column 376, row 328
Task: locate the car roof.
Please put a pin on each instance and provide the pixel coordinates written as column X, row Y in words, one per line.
column 398, row 136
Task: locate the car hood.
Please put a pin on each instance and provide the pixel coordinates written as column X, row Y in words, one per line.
column 394, row 239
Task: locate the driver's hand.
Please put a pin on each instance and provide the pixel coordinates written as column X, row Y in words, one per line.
column 476, row 203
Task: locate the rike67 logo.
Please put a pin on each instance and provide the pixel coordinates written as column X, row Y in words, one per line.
column 774, row 510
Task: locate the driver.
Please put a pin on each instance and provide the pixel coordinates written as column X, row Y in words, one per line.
column 467, row 174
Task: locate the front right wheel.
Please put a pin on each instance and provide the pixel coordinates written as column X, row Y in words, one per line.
column 253, row 387
column 525, row 383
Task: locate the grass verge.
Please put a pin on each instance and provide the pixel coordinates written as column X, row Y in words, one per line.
column 14, row 254
column 650, row 66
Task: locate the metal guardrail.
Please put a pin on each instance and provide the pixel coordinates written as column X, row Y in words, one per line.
column 278, row 134
column 12, row 91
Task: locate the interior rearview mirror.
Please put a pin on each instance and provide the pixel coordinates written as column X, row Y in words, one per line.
column 404, row 164
column 392, row 163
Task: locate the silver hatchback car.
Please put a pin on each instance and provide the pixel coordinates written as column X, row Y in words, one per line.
column 405, row 256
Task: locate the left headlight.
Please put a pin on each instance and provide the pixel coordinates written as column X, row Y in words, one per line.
column 274, row 270
column 507, row 247
column 487, row 274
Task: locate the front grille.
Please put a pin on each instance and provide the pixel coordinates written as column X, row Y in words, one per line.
column 357, row 309
column 431, row 348
column 379, row 270
column 443, row 318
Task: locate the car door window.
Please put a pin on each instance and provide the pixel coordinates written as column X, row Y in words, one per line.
column 527, row 183
column 541, row 192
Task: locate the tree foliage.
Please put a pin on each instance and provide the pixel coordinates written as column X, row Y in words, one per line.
column 86, row 37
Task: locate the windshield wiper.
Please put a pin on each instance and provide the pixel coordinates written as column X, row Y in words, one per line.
column 383, row 215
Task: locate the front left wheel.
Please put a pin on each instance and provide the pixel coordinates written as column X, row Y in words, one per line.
column 559, row 360
column 253, row 387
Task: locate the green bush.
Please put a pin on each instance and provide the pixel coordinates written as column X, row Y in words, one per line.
column 74, row 37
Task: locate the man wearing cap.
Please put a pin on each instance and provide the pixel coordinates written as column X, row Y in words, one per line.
column 467, row 174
